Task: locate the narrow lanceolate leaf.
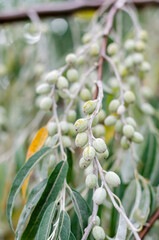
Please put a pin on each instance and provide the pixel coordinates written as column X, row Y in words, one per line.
column 122, row 229
column 19, row 179
column 53, row 187
column 70, row 163
column 81, row 208
column 63, row 231
column 72, row 237
column 46, row 222
column 32, row 201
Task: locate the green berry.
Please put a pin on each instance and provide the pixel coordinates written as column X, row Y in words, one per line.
column 131, row 122
column 51, row 128
column 101, row 115
column 98, row 233
column 119, row 126
column 129, row 97
column 71, row 131
column 146, row 92
column 137, row 58
column 85, row 94
column 99, row 131
column 64, row 127
column 86, row 38
column 145, row 67
column 110, row 121
column 114, row 84
column 97, row 220
column 124, row 143
column 147, row 109
column 121, row 109
column 43, row 88
column 113, row 106
column 140, row 46
column 95, row 121
column 89, row 169
column 81, row 125
column 81, row 139
column 71, row 116
column 72, row 75
column 112, row 179
column 71, row 58
column 89, row 153
column 80, row 60
column 52, row 76
column 99, row 195
column 129, row 62
column 89, row 106
column 99, row 145
column 143, row 35
column 46, row 103
column 62, row 83
column 112, row 48
column 103, row 156
column 128, row 131
column 66, row 141
column 91, row 181
column 137, row 138
column 83, row 163
column 123, row 71
column 129, row 45
column 94, row 49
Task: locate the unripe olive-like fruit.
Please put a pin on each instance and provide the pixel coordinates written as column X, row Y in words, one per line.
column 94, row 49
column 91, row 181
column 140, row 46
column 118, row 126
column 99, row 145
column 99, row 195
column 95, row 121
column 81, row 125
column 48, row 141
column 83, row 163
column 81, row 139
column 51, row 128
column 113, row 106
column 145, row 67
column 128, row 131
column 114, row 84
column 112, row 48
column 112, row 179
column 85, row 94
column 129, row 97
column 89, row 169
column 103, row 156
column 129, row 45
column 129, row 62
column 146, row 92
column 147, row 109
column 46, row 103
column 124, row 143
column 110, row 121
column 86, row 38
column 71, row 131
column 89, row 106
column 71, row 116
column 131, row 122
column 137, row 138
column 98, row 233
column 64, row 127
column 143, row 35
column 101, row 115
column 63, row 94
column 89, row 153
column 71, row 58
column 137, row 58
column 121, row 109
column 123, row 71
column 132, row 80
column 99, row 131
column 72, row 75
column 52, row 161
column 97, row 220
column 62, row 83
column 80, row 60
column 43, row 88
column 52, row 76
column 66, row 141
column 74, row 87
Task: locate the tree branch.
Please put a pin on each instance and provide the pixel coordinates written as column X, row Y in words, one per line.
column 61, row 9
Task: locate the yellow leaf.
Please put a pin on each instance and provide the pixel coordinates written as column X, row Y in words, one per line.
column 35, row 146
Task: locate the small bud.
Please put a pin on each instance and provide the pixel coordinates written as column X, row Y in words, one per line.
column 99, row 145
column 128, row 131
column 51, row 128
column 43, row 88
column 46, row 103
column 71, row 58
column 91, row 181
column 99, row 131
column 99, row 195
column 64, row 126
column 113, row 106
column 147, row 109
column 112, row 48
column 71, row 116
column 94, row 49
column 124, row 143
column 118, row 126
column 110, row 120
column 52, row 76
column 137, row 58
column 129, row 97
column 101, row 115
column 137, row 138
column 81, row 125
column 62, row 83
column 121, row 109
column 83, row 163
column 129, row 45
column 97, row 220
column 140, row 46
column 131, row 122
column 89, row 153
column 98, row 233
column 95, row 121
column 66, row 141
column 112, row 179
column 72, row 75
column 103, row 156
column 145, row 67
column 85, row 94
column 81, row 139
column 89, row 106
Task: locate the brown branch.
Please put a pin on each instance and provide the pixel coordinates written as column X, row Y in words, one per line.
column 149, row 225
column 60, row 9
